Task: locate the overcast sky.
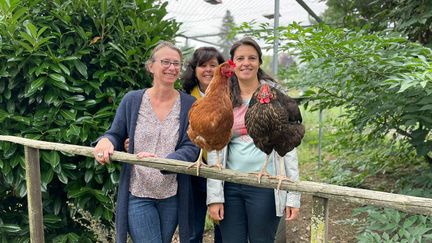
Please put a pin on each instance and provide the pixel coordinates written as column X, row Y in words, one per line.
column 201, row 18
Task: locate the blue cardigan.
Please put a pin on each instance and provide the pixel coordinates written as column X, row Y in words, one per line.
column 123, row 127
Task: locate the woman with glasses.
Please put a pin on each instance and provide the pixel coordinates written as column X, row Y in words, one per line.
column 151, row 203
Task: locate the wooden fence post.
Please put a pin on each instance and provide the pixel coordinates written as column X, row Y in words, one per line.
column 34, row 195
column 319, row 220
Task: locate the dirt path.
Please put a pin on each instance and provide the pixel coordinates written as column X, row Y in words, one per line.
column 338, row 232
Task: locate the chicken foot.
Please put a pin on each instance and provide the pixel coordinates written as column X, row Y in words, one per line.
column 218, row 162
column 281, row 176
column 198, row 163
column 263, row 170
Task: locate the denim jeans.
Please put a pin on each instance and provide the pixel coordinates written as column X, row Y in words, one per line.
column 152, row 220
column 249, row 214
column 199, row 190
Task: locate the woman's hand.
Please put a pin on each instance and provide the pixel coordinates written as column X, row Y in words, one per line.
column 216, row 211
column 126, row 145
column 103, row 150
column 141, row 155
column 291, row 213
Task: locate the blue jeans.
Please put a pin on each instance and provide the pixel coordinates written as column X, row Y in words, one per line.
column 199, row 190
column 152, row 220
column 249, row 214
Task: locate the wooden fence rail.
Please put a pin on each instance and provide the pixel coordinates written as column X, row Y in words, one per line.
column 321, row 191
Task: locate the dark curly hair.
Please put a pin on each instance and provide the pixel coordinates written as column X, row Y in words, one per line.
column 199, row 57
column 235, row 88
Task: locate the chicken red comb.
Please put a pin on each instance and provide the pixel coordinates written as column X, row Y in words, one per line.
column 228, row 71
column 231, row 63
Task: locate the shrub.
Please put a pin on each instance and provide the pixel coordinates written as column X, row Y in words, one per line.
column 65, row 65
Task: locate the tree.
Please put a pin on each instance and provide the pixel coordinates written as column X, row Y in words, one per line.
column 410, row 17
column 382, row 79
column 226, row 37
column 65, row 65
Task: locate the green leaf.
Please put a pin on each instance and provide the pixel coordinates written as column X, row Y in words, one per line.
column 16, row 160
column 46, row 177
column 69, row 166
column 4, row 115
column 25, row 120
column 57, row 206
column 21, row 189
column 58, row 78
column 69, row 114
column 9, row 228
column 51, row 157
column 28, row 38
column 101, row 196
column 81, row 67
column 51, row 219
column 9, row 150
column 31, row 29
column 426, row 107
column 88, row 175
column 62, row 177
column 65, row 69
column 35, row 86
column 114, row 178
column 75, row 98
column 41, row 31
column 78, row 192
column 26, row 46
column 51, row 97
column 72, row 237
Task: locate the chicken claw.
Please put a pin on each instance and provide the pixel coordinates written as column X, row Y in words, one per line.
column 218, row 163
column 281, row 178
column 198, row 163
column 261, row 173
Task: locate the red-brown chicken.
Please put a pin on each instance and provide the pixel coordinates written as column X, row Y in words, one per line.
column 274, row 122
column 211, row 117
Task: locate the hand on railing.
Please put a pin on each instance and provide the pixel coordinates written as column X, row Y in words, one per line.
column 103, row 150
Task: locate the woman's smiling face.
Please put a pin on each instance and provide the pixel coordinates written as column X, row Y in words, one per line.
column 165, row 66
column 247, row 61
column 205, row 71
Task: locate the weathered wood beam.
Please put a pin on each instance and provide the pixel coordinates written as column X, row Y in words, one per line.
column 417, row 205
column 34, row 195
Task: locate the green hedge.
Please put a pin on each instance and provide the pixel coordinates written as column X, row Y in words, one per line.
column 64, row 67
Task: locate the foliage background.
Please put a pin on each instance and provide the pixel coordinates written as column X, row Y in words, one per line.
column 65, row 65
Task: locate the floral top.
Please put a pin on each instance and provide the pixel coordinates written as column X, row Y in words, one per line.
column 160, row 138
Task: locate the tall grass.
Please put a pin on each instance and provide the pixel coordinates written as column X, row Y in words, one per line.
column 308, row 150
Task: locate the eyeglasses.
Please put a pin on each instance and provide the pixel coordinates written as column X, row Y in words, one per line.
column 167, row 63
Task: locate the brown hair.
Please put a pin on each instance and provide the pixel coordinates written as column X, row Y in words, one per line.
column 235, row 87
column 199, row 57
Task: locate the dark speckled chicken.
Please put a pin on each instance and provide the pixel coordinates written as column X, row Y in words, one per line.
column 274, row 122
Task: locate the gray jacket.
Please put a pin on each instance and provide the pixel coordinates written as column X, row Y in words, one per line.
column 215, row 192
